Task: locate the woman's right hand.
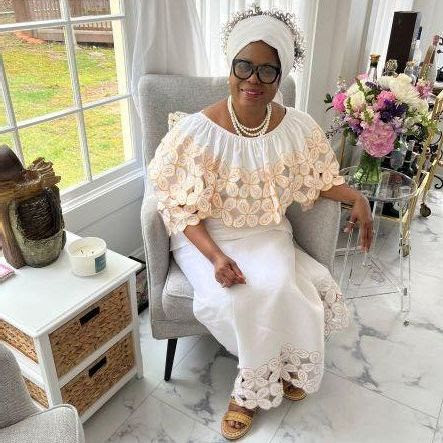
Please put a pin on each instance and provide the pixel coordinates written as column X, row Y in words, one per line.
column 226, row 271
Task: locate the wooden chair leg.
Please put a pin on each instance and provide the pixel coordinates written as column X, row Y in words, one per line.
column 170, row 353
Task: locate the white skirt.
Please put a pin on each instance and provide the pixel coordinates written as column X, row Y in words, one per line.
column 275, row 323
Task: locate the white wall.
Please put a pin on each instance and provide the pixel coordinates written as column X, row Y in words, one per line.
column 432, row 22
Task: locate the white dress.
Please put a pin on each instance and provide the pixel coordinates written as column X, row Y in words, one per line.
column 240, row 188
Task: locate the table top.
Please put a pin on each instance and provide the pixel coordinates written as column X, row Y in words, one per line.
column 35, row 299
column 393, row 186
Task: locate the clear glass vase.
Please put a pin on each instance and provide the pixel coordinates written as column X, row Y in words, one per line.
column 368, row 170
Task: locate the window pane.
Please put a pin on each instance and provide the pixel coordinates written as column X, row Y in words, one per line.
column 17, row 11
column 80, row 8
column 37, row 71
column 57, row 141
column 6, row 139
column 97, row 68
column 3, row 116
column 107, row 129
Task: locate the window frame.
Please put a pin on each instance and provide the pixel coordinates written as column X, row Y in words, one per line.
column 111, row 178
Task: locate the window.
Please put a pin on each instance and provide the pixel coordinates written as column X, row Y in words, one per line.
column 64, row 88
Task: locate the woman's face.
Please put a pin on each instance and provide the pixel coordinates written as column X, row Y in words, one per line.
column 253, row 92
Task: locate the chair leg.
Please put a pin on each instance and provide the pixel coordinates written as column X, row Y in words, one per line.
column 170, row 353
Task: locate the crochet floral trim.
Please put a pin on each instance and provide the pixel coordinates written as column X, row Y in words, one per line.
column 192, row 184
column 263, row 386
column 336, row 311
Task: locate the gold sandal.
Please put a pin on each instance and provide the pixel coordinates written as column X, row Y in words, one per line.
column 295, row 393
column 232, row 433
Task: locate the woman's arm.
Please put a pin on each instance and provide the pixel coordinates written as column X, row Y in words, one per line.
column 361, row 211
column 226, row 270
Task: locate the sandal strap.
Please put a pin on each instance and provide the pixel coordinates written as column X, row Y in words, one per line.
column 238, row 417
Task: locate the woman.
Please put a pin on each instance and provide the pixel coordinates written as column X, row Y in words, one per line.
column 225, row 177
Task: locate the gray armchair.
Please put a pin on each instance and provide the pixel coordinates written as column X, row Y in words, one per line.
column 170, row 294
column 21, row 421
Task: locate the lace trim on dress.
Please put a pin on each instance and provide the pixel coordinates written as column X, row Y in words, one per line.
column 263, row 386
column 192, row 184
column 336, row 311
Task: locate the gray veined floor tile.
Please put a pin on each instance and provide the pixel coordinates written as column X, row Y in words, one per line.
column 378, row 352
column 438, row 436
column 117, row 409
column 201, row 385
column 344, row 412
column 154, row 351
column 154, row 421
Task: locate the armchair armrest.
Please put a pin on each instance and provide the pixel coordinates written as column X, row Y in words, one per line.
column 316, row 230
column 156, row 244
column 15, row 401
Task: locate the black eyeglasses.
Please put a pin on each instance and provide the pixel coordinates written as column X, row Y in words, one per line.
column 243, row 69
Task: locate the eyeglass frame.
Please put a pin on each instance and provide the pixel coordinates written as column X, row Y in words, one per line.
column 255, row 71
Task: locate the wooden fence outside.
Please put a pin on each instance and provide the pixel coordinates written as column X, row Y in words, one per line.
column 37, row 10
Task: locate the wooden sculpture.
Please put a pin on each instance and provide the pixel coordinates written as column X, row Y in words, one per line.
column 31, row 221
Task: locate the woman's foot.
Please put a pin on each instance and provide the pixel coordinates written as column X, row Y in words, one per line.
column 291, row 392
column 237, row 421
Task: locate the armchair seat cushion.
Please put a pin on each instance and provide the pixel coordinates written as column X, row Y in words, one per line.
column 56, row 425
column 178, row 295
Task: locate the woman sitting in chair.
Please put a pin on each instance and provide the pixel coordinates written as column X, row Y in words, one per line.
column 224, row 178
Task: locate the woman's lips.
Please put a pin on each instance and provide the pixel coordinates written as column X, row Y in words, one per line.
column 251, row 93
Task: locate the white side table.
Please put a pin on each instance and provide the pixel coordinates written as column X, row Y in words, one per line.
column 76, row 338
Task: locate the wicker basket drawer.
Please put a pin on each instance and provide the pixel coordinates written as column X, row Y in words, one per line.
column 88, row 386
column 79, row 337
column 17, row 339
column 37, row 393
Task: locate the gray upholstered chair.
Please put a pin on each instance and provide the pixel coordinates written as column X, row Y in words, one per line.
column 170, row 294
column 21, row 421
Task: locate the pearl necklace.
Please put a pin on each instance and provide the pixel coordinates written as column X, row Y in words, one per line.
column 243, row 130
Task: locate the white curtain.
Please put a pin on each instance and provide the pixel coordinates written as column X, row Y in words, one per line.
column 168, row 40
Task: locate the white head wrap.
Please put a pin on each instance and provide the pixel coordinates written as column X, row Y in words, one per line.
column 268, row 29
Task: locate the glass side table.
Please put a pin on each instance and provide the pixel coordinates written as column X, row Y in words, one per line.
column 395, row 188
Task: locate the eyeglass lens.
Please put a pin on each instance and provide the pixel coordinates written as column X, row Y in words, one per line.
column 266, row 73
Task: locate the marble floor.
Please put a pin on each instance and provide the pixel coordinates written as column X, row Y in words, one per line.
column 382, row 381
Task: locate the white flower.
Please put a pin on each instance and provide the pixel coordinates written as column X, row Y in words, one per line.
column 354, row 88
column 403, row 78
column 385, row 81
column 357, row 100
column 367, row 115
column 406, row 93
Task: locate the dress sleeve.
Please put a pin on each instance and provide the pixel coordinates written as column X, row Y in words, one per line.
column 319, row 166
column 179, row 179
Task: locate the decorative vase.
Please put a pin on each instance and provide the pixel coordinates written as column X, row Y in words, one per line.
column 368, row 170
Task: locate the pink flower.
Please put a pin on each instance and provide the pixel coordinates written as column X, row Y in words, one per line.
column 378, row 138
column 423, row 88
column 363, row 76
column 338, row 101
column 383, row 99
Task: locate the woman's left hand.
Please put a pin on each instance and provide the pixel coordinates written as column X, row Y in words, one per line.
column 361, row 214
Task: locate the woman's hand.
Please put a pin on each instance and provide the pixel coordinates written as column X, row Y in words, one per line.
column 361, row 213
column 226, row 271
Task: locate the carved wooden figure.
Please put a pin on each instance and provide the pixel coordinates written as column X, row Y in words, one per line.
column 31, row 221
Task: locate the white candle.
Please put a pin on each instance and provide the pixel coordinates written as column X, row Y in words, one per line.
column 87, row 256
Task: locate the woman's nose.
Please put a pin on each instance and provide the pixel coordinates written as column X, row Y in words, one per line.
column 254, row 78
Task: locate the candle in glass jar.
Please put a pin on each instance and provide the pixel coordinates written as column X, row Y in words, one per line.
column 87, row 256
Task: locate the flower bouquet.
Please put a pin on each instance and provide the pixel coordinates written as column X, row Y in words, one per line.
column 378, row 116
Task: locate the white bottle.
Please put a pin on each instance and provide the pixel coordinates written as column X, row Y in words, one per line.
column 418, row 55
